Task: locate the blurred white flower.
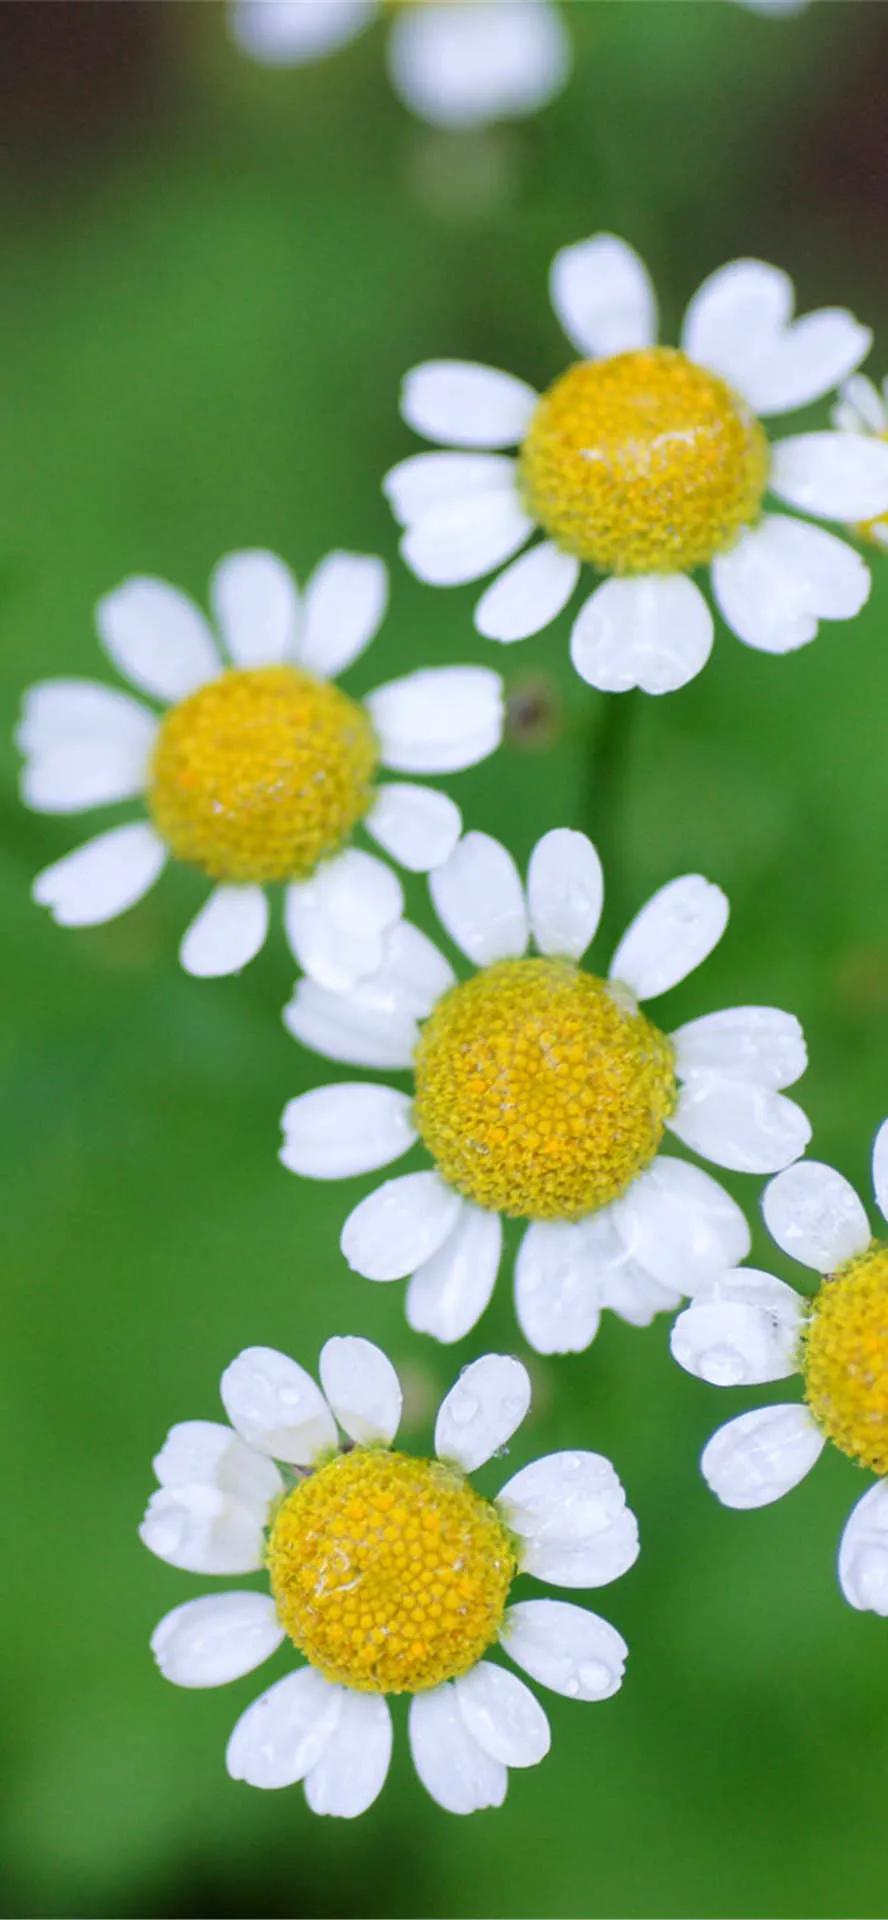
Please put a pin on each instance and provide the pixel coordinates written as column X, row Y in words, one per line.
column 542, row 1093
column 749, row 1327
column 455, row 63
column 389, row 1574
column 646, row 463
column 862, row 407
column 262, row 769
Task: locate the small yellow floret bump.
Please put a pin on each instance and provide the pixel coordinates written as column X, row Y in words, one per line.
column 540, row 1092
column 390, row 1574
column 845, row 1358
column 261, row 774
column 643, row 463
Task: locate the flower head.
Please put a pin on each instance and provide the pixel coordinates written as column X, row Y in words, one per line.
column 262, row 768
column 387, row 1572
column 542, row 1092
column 456, row 63
column 862, row 407
column 749, row 1327
column 646, row 463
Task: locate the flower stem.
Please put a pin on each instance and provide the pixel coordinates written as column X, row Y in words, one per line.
column 604, row 780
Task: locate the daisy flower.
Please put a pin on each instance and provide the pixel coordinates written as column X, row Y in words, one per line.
column 389, row 1574
column 542, row 1093
column 261, row 769
column 460, row 64
column 862, row 407
column 646, row 463
column 750, row 1327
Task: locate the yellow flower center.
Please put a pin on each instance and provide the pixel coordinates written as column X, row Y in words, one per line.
column 390, row 1574
column 643, row 463
column 845, row 1358
column 541, row 1091
column 261, row 774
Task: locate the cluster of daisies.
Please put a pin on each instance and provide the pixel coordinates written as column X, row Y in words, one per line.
column 526, row 1085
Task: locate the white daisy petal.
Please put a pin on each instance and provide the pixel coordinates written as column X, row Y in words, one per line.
column 782, row 578
column 335, row 921
column 653, row 631
column 742, row 1331
column 102, row 878
column 479, row 899
column 632, row 1293
column 482, row 1410
column 284, row 33
column 276, row 1406
column 565, row 1648
column 414, row 972
column 570, row 1512
column 157, row 638
column 500, row 1712
column 839, row 476
column 222, row 1636
column 747, row 1128
column 348, row 1028
column 416, row 825
column 680, row 1225
column 739, row 324
column 438, row 719
column 362, row 1388
column 335, row 1132
column 256, row 605
column 603, row 296
column 449, row 1292
column 498, row 59
column 461, row 542
column 565, row 893
column 814, row 1214
column 880, row 1169
column 351, row 1771
column 345, row 601
column 206, row 1453
column 675, row 932
column 863, row 1553
column 466, row 405
column 451, row 1765
column 200, row 1529
column 735, row 315
column 399, row 1226
column 283, row 1734
column 556, row 1299
column 228, row 932
column 759, row 1044
column 60, row 713
column 86, row 746
column 529, row 594
column 864, row 399
column 757, row 1458
column 420, row 486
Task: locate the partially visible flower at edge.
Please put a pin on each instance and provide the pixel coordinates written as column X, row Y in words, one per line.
column 465, row 63
column 749, row 1328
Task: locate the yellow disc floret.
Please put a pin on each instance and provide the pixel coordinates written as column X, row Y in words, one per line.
column 845, row 1358
column 541, row 1091
column 261, row 774
column 390, row 1574
column 643, row 463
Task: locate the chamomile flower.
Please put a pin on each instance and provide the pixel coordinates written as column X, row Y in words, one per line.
column 646, row 463
column 541, row 1092
column 862, row 407
column 262, row 768
column 750, row 1327
column 388, row 1573
column 460, row 63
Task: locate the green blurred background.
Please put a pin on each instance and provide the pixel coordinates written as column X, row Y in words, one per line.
column 215, row 276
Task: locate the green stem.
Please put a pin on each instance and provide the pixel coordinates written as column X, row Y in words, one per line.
column 604, row 779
